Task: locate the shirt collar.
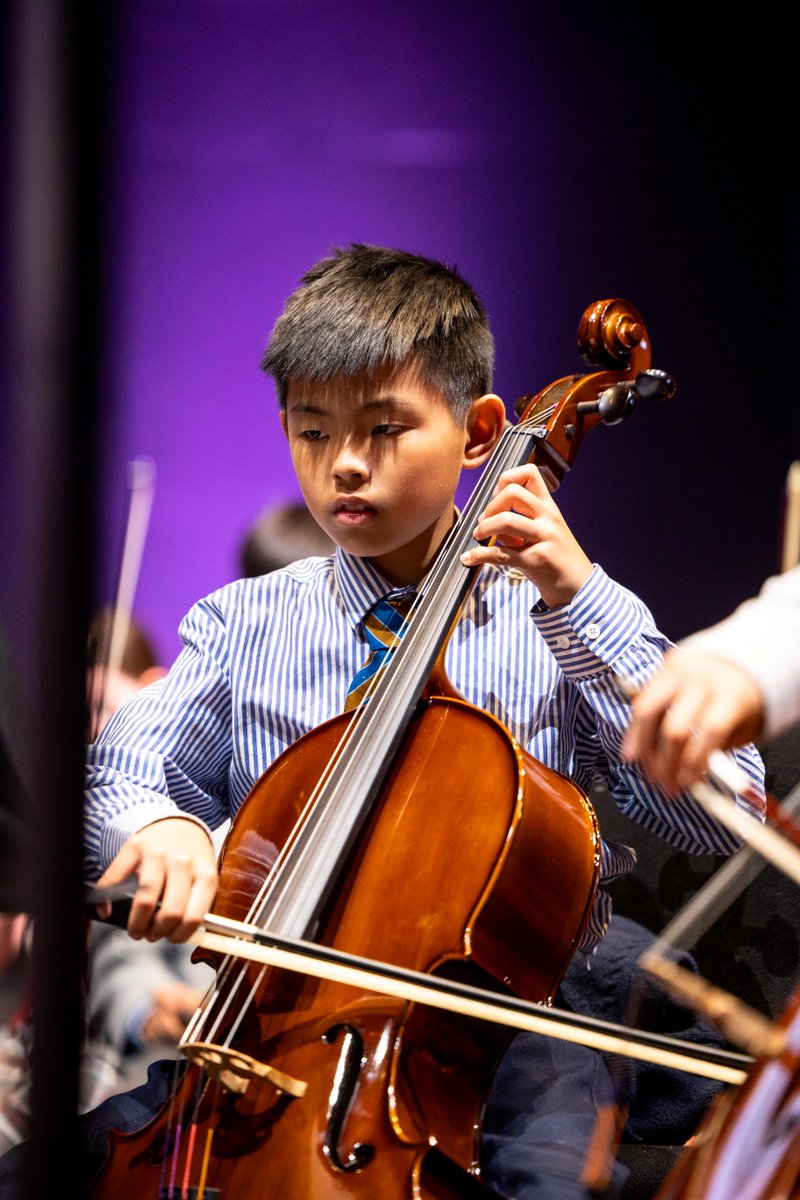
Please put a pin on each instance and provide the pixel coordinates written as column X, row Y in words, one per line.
column 359, row 585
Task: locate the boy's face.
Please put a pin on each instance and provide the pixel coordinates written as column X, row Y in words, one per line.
column 378, row 459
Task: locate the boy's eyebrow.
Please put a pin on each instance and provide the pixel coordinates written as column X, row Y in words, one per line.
column 386, row 401
column 305, row 408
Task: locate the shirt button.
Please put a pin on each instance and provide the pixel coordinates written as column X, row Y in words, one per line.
column 592, row 631
column 562, row 642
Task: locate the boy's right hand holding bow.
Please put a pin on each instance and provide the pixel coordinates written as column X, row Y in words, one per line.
column 175, row 864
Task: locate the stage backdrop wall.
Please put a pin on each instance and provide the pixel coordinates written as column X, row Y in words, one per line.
column 553, row 159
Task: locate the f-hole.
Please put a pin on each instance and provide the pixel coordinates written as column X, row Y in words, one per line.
column 342, row 1092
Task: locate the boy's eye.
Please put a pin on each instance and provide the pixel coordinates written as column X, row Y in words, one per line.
column 312, row 435
column 386, row 428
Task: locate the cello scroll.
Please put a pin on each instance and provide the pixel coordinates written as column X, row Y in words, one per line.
column 612, row 336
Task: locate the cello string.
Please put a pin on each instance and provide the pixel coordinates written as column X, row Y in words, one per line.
column 201, row 1186
column 193, row 1128
column 169, row 1128
column 226, row 1000
column 175, row 1151
column 215, row 998
column 187, row 1170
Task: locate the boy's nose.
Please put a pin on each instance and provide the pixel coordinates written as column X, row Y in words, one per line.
column 349, row 464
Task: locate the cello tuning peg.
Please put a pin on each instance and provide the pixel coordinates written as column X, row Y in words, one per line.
column 616, row 403
column 653, row 384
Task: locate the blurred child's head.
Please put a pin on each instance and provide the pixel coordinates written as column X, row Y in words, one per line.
column 279, row 535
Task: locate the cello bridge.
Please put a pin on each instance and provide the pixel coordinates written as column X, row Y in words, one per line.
column 235, row 1070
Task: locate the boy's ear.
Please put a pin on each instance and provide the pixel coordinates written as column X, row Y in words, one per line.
column 486, row 421
column 282, row 415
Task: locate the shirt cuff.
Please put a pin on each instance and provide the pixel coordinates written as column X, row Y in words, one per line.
column 132, row 820
column 590, row 633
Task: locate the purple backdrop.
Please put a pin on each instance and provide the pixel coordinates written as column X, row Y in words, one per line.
column 554, row 161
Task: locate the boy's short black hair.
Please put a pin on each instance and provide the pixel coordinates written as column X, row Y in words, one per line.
column 368, row 306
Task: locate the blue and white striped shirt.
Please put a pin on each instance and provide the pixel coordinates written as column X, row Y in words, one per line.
column 267, row 659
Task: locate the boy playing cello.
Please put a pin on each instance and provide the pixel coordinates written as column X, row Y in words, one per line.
column 383, row 363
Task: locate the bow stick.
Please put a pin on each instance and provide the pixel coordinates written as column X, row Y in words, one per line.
column 237, row 938
column 141, row 477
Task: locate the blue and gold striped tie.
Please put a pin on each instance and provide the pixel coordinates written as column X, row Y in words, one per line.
column 385, row 624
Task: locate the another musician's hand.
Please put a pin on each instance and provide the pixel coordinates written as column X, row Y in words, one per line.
column 529, row 533
column 172, row 1006
column 175, row 865
column 694, row 704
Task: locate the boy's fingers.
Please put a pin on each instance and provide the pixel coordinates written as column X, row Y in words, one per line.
column 511, row 528
column 528, row 477
column 119, row 880
column 514, row 497
column 143, row 921
column 198, row 900
column 121, row 868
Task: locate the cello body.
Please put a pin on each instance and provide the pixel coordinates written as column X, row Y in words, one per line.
column 394, row 1096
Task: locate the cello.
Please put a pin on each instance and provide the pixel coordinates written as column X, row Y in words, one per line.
column 299, row 1087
